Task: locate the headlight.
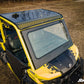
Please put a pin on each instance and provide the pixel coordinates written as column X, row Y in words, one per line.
column 54, row 81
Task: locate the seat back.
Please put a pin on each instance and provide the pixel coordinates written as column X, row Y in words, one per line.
column 14, row 41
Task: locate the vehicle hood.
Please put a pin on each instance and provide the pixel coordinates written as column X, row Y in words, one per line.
column 59, row 65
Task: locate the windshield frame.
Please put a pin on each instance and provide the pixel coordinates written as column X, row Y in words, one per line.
column 38, row 62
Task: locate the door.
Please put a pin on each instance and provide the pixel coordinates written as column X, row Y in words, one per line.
column 15, row 53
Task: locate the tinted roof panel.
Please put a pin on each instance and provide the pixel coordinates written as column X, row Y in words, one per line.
column 30, row 15
column 25, row 19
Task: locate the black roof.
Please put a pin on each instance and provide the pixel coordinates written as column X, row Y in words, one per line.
column 22, row 17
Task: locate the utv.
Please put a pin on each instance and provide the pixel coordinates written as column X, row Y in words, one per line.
column 37, row 47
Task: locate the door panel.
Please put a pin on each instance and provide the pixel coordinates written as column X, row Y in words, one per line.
column 17, row 66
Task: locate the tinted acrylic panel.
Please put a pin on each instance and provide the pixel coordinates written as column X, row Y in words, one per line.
column 48, row 57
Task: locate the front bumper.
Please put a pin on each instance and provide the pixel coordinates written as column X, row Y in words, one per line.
column 70, row 77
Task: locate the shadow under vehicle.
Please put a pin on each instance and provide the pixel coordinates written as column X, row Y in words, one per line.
column 37, row 47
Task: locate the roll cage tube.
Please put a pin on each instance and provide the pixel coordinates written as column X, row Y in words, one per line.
column 3, row 37
column 20, row 37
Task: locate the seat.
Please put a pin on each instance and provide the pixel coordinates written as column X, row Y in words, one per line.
column 15, row 47
column 13, row 42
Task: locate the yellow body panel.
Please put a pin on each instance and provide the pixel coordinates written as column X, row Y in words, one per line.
column 75, row 51
column 33, row 77
column 43, row 73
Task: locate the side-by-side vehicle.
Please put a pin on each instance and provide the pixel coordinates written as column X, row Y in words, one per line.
column 38, row 49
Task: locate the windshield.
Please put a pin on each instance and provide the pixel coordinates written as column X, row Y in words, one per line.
column 47, row 39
